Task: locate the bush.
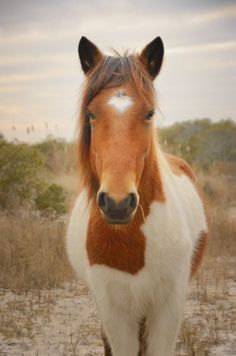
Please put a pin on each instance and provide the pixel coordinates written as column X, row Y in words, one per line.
column 52, row 198
column 202, row 143
column 19, row 168
column 60, row 155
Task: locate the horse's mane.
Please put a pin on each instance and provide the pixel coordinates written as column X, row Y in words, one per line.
column 110, row 72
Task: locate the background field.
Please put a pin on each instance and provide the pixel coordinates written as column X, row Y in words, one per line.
column 43, row 310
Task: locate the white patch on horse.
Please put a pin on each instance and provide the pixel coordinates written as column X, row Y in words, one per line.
column 120, row 101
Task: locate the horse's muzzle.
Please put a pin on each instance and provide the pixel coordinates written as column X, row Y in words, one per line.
column 117, row 213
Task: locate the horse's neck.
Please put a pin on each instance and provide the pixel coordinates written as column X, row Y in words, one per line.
column 151, row 184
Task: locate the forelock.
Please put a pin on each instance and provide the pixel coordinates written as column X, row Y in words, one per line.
column 115, row 71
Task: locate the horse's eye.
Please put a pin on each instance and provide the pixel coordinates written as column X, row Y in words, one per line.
column 90, row 116
column 150, row 115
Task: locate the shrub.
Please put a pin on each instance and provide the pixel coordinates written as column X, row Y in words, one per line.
column 203, row 143
column 60, row 155
column 19, row 168
column 52, row 198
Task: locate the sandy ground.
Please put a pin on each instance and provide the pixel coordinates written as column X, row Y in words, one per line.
column 69, row 326
column 64, row 322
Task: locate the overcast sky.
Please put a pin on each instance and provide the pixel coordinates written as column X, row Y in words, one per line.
column 40, row 76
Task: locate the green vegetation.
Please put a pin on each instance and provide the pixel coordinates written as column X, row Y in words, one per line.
column 19, row 165
column 59, row 155
column 204, row 144
column 53, row 197
column 22, row 167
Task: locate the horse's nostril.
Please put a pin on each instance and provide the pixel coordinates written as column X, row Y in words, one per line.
column 133, row 200
column 102, row 201
column 117, row 211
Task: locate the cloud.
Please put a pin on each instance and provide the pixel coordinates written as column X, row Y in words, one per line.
column 35, row 77
column 11, row 89
column 214, row 46
column 11, row 110
column 218, row 14
column 22, row 58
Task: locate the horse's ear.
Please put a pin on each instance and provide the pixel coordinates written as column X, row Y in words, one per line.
column 152, row 57
column 89, row 54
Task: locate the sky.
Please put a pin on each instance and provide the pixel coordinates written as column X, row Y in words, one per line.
column 41, row 78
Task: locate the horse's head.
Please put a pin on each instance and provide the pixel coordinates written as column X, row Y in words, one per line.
column 117, row 126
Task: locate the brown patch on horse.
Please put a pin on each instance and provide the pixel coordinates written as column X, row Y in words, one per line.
column 199, row 252
column 179, row 166
column 118, row 247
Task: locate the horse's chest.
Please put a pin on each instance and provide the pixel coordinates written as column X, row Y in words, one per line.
column 116, row 248
column 163, row 258
column 136, row 292
column 151, row 245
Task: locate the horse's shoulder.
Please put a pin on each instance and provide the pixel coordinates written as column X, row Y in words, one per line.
column 179, row 166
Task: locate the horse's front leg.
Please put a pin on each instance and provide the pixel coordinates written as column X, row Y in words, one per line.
column 121, row 331
column 163, row 324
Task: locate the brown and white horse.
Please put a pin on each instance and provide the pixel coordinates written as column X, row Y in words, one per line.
column 138, row 228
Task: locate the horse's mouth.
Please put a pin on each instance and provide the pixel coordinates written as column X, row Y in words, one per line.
column 118, row 219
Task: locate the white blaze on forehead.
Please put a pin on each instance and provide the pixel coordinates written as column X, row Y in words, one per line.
column 120, row 101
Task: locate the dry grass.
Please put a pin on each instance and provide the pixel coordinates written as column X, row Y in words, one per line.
column 220, row 193
column 32, row 259
column 32, row 254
